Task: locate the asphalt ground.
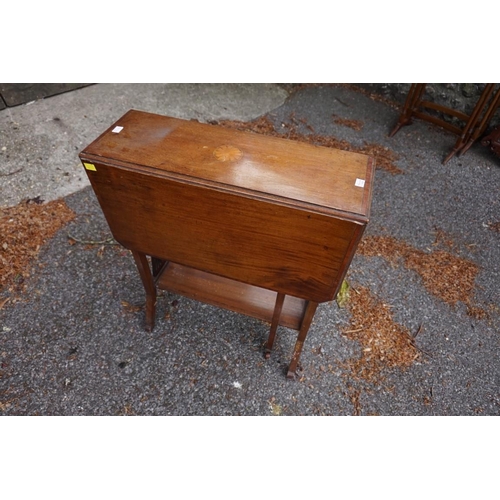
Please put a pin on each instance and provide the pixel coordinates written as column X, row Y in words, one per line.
column 74, row 343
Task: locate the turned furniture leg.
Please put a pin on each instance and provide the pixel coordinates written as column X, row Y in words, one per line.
column 304, row 328
column 149, row 286
column 274, row 324
column 471, row 125
column 411, row 103
column 490, row 111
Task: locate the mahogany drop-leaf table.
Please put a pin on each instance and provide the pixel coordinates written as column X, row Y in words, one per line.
column 259, row 225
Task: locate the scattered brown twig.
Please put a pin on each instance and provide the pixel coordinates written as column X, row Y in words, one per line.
column 131, row 308
column 109, row 241
column 341, row 102
column 354, row 124
column 413, row 343
column 347, row 332
column 12, row 173
column 418, row 331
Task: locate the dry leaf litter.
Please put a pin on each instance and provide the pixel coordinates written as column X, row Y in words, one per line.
column 446, row 276
column 24, row 228
column 384, row 343
column 354, row 124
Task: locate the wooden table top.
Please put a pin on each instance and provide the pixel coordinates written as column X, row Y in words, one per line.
column 318, row 176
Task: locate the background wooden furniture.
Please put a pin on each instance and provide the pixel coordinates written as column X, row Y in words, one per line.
column 474, row 125
column 259, row 225
column 492, row 140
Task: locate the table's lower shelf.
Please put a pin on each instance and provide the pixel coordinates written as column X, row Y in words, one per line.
column 229, row 294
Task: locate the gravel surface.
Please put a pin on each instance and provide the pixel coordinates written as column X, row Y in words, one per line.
column 74, row 343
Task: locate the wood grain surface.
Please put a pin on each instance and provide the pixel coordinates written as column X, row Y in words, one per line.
column 292, row 251
column 320, row 176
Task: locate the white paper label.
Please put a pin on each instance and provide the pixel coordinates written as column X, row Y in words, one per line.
column 117, row 130
column 360, row 183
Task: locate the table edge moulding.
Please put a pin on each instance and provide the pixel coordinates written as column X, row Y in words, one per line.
column 259, row 225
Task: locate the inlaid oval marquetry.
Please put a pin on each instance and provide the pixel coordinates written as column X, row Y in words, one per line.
column 227, row 153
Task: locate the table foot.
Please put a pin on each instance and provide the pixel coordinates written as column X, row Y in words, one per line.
column 304, row 328
column 399, row 125
column 450, row 156
column 150, row 313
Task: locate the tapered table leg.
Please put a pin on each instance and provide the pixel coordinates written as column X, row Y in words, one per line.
column 490, row 111
column 411, row 103
column 274, row 324
column 299, row 344
column 142, row 264
column 471, row 126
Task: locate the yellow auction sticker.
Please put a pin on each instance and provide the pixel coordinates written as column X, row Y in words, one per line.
column 90, row 166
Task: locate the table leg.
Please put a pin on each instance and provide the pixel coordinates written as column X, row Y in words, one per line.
column 411, row 103
column 142, row 264
column 471, row 124
column 274, row 324
column 304, row 328
column 490, row 111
